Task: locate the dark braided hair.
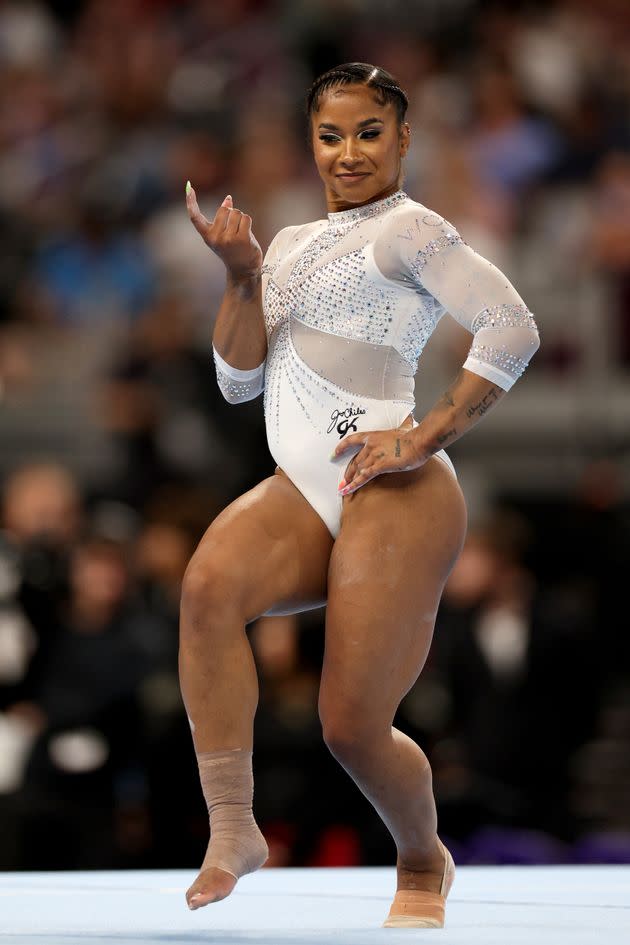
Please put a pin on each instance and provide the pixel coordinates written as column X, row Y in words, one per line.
column 359, row 73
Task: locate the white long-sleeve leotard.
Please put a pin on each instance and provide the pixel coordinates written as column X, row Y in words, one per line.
column 349, row 304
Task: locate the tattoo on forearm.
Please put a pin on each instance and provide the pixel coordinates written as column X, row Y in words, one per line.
column 397, row 449
column 448, row 396
column 443, row 437
column 484, row 404
column 247, row 289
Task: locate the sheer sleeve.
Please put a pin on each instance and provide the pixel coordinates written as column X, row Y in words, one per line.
column 237, row 385
column 476, row 294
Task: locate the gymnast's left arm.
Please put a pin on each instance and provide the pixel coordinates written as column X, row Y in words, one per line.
column 505, row 337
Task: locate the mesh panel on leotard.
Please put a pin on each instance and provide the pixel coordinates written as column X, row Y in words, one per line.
column 369, row 370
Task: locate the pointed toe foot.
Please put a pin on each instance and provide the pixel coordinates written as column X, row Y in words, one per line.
column 211, row 885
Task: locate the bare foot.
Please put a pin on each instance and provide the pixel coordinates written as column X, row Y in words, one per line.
column 214, row 884
column 211, row 885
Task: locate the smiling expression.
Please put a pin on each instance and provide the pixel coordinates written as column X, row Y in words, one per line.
column 358, row 146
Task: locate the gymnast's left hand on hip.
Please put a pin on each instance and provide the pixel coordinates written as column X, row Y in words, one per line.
column 382, row 451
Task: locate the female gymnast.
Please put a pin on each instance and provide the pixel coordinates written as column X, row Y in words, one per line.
column 364, row 511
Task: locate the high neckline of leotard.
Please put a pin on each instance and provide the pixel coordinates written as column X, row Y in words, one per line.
column 356, row 214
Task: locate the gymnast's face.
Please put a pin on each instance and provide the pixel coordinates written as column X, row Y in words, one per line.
column 358, row 146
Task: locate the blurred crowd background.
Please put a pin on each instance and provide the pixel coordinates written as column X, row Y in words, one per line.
column 117, row 450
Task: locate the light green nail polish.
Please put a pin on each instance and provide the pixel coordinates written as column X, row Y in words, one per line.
column 188, row 187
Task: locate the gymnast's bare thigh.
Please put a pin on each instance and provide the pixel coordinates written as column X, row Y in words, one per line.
column 311, row 547
column 271, row 551
column 396, row 508
column 268, row 551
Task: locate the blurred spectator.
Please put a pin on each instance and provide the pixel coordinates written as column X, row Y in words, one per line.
column 169, row 420
column 80, row 699
column 610, row 243
column 42, row 501
column 516, row 662
column 509, row 148
column 99, row 273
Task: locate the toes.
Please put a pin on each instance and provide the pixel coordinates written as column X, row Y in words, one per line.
column 210, row 886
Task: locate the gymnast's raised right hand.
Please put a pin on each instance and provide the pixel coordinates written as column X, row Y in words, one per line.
column 229, row 235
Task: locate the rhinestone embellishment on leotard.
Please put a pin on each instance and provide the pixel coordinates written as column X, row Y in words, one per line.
column 332, row 287
column 368, row 210
column 237, row 391
column 503, row 316
column 421, row 324
column 340, row 224
column 498, row 357
column 432, row 249
column 307, row 387
column 277, row 306
column 316, row 248
column 340, row 298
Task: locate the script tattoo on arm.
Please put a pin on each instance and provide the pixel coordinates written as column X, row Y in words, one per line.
column 397, row 448
column 443, row 437
column 460, row 407
column 483, row 405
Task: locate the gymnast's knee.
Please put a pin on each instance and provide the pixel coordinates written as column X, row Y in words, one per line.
column 210, row 593
column 346, row 734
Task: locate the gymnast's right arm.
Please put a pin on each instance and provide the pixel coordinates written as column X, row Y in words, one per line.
column 239, row 340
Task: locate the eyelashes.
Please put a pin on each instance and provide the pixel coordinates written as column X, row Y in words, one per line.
column 364, row 135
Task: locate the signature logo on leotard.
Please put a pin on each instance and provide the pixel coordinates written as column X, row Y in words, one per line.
column 343, row 422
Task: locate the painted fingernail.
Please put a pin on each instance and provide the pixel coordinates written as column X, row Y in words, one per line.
column 333, row 455
column 188, row 187
column 342, row 485
column 345, row 491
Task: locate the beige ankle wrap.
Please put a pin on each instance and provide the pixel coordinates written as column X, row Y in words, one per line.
column 236, row 844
